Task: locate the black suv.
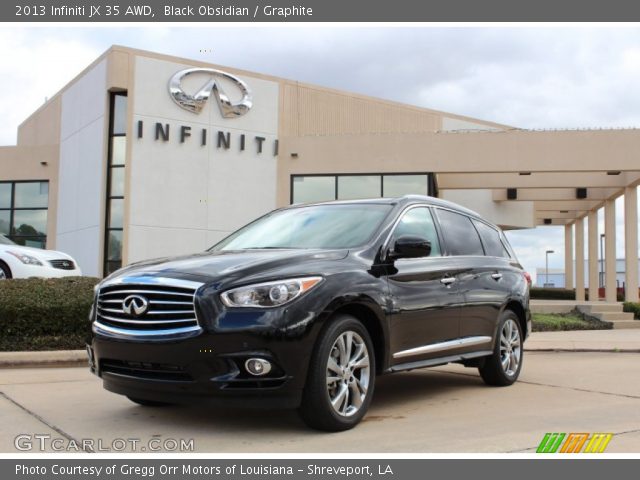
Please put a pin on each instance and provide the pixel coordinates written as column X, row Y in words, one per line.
column 303, row 307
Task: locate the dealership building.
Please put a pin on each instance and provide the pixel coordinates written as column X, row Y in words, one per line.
column 145, row 155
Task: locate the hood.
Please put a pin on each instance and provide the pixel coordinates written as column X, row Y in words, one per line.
column 230, row 266
column 38, row 253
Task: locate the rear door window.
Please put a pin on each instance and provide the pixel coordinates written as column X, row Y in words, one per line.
column 460, row 236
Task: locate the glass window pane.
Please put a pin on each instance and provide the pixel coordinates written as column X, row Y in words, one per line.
column 5, row 218
column 399, row 185
column 30, row 222
column 34, row 242
column 461, row 237
column 316, row 226
column 32, row 195
column 120, row 114
column 112, row 267
column 314, row 189
column 5, row 195
column 358, row 186
column 418, row 222
column 114, row 252
column 115, row 213
column 117, row 182
column 491, row 240
column 118, row 150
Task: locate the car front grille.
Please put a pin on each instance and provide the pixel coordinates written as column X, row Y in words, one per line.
column 62, row 264
column 156, row 307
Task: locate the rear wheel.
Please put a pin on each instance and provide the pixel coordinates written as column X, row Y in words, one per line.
column 341, row 377
column 5, row 271
column 503, row 367
column 148, row 403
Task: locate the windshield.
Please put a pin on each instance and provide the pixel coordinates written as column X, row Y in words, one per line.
column 5, row 241
column 317, row 226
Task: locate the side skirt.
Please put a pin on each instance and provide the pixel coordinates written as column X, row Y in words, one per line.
column 434, row 362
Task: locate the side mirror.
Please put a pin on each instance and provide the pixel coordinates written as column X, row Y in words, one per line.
column 410, row 246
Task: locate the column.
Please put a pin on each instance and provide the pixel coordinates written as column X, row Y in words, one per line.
column 568, row 256
column 631, row 243
column 580, row 259
column 610, row 250
column 593, row 255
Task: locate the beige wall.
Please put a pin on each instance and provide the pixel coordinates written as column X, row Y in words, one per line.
column 24, row 163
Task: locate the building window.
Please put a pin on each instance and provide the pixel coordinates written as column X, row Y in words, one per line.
column 23, row 212
column 116, row 165
column 321, row 188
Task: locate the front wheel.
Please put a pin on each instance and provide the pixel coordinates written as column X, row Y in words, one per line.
column 503, row 367
column 341, row 377
column 5, row 271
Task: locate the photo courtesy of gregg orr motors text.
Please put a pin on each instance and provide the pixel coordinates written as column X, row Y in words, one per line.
column 186, row 469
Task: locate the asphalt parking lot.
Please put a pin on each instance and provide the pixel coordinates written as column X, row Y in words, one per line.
column 445, row 409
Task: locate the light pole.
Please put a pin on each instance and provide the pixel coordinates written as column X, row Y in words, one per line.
column 547, row 266
column 602, row 259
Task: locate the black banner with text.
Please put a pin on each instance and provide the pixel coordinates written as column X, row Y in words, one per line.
column 318, row 11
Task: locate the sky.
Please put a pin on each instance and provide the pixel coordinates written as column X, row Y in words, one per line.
column 542, row 77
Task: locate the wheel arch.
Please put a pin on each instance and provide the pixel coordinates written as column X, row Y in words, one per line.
column 8, row 268
column 373, row 318
column 516, row 307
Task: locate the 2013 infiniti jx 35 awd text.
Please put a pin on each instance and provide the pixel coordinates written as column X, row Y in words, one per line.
column 305, row 306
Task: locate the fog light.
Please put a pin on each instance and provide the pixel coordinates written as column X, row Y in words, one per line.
column 257, row 366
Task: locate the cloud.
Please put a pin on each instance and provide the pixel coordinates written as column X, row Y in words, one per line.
column 526, row 77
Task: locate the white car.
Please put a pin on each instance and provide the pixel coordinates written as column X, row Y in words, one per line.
column 17, row 261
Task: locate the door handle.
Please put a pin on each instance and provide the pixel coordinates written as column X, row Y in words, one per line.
column 496, row 276
column 447, row 280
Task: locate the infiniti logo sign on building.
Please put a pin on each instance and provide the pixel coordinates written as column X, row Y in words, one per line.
column 195, row 103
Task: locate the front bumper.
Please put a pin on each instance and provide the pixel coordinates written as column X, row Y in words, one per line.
column 205, row 368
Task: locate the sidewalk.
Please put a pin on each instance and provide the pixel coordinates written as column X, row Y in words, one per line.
column 574, row 341
column 585, row 341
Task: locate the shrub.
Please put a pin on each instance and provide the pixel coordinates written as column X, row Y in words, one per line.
column 45, row 314
column 552, row 293
column 632, row 307
column 550, row 322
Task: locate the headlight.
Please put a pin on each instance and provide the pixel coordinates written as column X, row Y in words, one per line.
column 269, row 294
column 26, row 259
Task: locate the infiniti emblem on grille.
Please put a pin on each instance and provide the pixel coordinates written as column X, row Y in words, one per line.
column 135, row 305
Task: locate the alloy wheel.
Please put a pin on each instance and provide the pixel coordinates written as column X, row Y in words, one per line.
column 510, row 347
column 348, row 373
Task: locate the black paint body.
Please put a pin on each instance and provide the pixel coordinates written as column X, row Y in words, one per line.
column 402, row 303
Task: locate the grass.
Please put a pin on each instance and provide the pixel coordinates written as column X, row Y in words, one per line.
column 550, row 322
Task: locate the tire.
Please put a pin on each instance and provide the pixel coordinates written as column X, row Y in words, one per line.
column 148, row 403
column 5, row 271
column 352, row 388
column 503, row 367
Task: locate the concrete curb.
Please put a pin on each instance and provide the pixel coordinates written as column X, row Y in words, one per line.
column 58, row 358
column 582, row 350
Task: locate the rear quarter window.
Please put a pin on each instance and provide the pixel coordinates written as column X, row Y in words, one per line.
column 491, row 240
